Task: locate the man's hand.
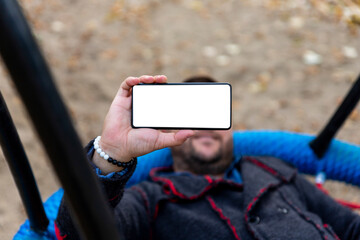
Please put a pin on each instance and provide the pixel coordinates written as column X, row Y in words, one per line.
column 120, row 141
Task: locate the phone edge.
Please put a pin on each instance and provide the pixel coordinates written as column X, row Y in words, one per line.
column 181, row 128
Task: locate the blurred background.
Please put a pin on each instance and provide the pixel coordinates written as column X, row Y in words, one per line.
column 290, row 63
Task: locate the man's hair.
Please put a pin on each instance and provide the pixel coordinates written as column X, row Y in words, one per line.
column 200, row 79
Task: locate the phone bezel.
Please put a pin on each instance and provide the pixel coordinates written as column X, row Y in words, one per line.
column 185, row 83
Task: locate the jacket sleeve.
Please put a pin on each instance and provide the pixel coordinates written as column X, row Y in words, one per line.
column 113, row 186
column 344, row 222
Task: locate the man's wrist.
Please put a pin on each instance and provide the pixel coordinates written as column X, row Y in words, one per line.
column 107, row 158
column 107, row 150
column 104, row 165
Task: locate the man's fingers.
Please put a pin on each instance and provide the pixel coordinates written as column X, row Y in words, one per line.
column 132, row 81
column 127, row 85
column 173, row 138
column 153, row 79
column 182, row 135
column 160, row 79
column 147, row 79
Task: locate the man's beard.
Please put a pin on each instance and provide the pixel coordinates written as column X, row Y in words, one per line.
column 195, row 162
column 195, row 156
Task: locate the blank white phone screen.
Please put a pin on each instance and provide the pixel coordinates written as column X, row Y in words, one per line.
column 175, row 106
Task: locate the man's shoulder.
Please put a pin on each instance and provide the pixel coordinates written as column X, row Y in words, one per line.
column 272, row 161
column 273, row 165
column 147, row 188
column 147, row 185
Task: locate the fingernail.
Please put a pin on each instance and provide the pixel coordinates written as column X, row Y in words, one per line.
column 161, row 77
column 190, row 133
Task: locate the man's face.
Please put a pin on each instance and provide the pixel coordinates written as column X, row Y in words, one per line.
column 207, row 152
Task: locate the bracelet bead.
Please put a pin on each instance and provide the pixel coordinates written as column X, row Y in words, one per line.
column 108, row 158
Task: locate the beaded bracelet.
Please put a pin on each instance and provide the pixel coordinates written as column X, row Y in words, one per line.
column 108, row 158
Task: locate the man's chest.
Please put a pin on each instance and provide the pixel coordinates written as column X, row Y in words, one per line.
column 222, row 214
column 216, row 215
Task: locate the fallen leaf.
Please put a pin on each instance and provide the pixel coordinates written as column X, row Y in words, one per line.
column 312, row 58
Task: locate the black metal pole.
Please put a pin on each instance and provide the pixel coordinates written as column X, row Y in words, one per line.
column 321, row 143
column 21, row 170
column 33, row 81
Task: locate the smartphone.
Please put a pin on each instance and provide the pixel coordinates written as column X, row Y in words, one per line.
column 182, row 106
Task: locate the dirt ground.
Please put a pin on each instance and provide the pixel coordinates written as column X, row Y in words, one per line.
column 290, row 63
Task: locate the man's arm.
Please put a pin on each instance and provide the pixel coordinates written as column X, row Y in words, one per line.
column 132, row 213
column 113, row 187
column 343, row 221
column 122, row 143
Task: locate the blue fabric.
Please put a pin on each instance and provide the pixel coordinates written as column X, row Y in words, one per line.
column 51, row 209
column 233, row 173
column 341, row 162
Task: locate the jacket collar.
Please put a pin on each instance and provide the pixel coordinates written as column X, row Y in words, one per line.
column 185, row 185
column 273, row 166
column 188, row 186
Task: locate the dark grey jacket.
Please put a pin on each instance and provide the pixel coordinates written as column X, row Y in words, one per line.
column 273, row 202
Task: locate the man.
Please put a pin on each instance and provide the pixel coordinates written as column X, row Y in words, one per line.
column 206, row 194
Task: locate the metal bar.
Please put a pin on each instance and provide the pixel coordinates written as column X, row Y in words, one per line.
column 33, row 81
column 321, row 143
column 21, row 170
